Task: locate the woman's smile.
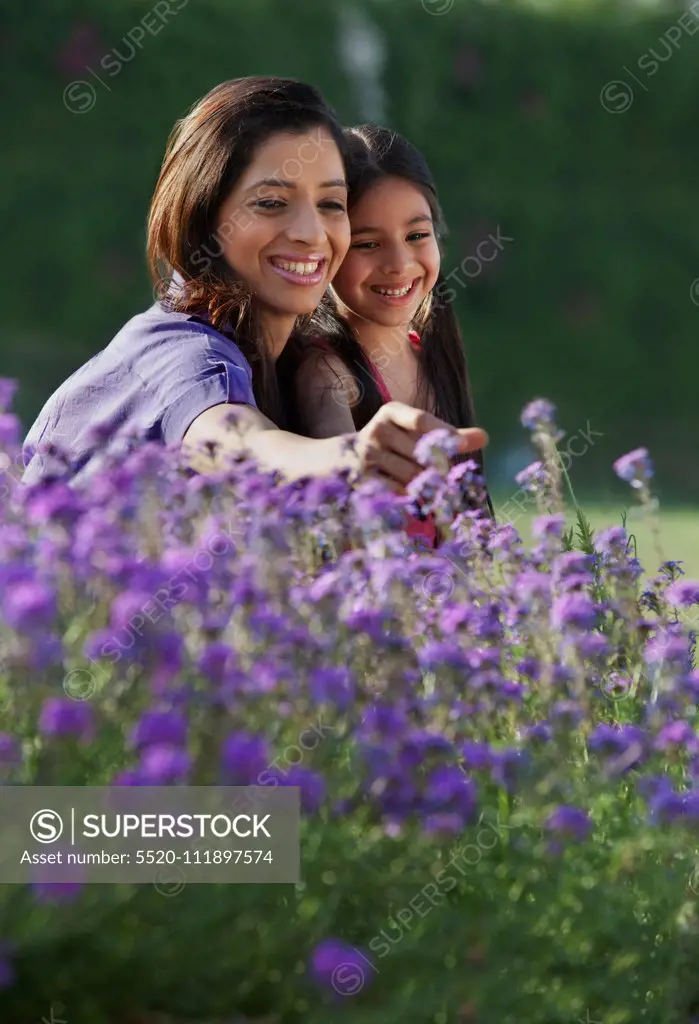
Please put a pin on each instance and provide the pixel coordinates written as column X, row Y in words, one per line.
column 300, row 270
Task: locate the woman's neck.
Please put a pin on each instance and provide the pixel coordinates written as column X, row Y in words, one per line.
column 379, row 342
column 277, row 328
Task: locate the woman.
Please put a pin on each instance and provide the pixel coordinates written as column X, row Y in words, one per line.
column 389, row 335
column 248, row 224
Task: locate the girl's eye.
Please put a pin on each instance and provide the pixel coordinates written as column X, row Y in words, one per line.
column 416, row 236
column 365, row 245
column 268, row 204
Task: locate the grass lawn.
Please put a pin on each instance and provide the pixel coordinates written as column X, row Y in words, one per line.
column 679, row 533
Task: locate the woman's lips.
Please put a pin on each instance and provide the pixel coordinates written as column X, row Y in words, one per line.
column 306, row 271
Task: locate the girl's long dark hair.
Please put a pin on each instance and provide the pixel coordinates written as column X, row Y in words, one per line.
column 376, row 153
column 207, row 152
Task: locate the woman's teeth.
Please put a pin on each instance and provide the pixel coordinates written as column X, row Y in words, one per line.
column 303, row 269
column 394, row 291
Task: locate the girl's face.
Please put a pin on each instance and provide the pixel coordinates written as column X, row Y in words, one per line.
column 393, row 260
column 284, row 228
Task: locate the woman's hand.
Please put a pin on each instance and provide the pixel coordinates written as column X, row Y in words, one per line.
column 387, row 443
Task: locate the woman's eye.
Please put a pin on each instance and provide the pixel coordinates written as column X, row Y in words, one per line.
column 268, row 204
column 365, row 245
column 333, row 204
column 416, row 236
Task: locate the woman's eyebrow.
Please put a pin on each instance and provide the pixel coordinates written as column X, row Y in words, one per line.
column 414, row 220
column 282, row 183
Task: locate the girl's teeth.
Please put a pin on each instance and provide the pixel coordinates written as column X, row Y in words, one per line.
column 304, row 269
column 393, row 291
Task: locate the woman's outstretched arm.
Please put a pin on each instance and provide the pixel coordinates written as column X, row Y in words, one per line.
column 385, row 445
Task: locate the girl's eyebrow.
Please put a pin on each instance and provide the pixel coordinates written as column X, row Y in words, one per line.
column 281, row 183
column 415, row 220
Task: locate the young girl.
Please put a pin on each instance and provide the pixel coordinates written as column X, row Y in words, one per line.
column 388, row 336
column 249, row 224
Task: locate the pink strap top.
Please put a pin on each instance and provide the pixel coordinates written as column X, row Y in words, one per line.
column 424, row 530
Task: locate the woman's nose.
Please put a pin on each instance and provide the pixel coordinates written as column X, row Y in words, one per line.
column 307, row 226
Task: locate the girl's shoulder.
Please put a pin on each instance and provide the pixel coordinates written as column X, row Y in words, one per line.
column 320, row 365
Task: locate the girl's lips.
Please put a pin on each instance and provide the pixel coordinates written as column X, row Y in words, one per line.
column 398, row 300
column 300, row 279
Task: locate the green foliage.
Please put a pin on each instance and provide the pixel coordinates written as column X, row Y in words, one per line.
column 590, row 302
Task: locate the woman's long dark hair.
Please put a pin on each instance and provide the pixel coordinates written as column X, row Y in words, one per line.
column 207, row 152
column 376, row 153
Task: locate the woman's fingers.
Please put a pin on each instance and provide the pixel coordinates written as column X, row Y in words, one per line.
column 472, row 439
column 388, row 440
column 398, row 468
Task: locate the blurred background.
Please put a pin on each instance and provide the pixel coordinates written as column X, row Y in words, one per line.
column 564, row 130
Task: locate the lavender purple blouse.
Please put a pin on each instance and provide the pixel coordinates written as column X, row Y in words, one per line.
column 161, row 371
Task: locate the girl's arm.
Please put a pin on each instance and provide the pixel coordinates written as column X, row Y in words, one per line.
column 385, row 445
column 324, row 390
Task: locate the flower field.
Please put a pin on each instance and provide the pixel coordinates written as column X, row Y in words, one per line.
column 494, row 744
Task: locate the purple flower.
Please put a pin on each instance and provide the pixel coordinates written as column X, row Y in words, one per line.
column 128, row 607
column 130, row 777
column 28, row 605
column 533, row 477
column 162, row 765
column 568, row 711
column 683, row 593
column 61, row 716
column 332, row 685
column 10, row 430
column 8, row 388
column 571, row 821
column 10, row 749
column 541, row 732
column 575, row 609
column 548, row 526
column 243, row 758
column 667, row 645
column 664, row 804
column 538, row 414
column 435, row 445
column 449, row 790
column 635, row 468
column 341, row 967
column 592, row 645
column 442, row 654
column 677, row 734
column 214, row 661
column 156, row 728
column 612, row 739
column 571, row 563
column 530, row 584
column 311, row 785
column 56, row 892
column 612, row 541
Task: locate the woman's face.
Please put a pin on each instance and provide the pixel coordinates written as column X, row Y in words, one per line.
column 284, row 228
column 393, row 260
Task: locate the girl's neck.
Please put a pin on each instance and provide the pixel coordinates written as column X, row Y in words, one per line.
column 377, row 341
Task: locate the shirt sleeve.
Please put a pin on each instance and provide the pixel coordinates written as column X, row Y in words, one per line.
column 189, row 369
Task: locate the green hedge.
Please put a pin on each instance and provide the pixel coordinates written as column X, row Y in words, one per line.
column 589, row 305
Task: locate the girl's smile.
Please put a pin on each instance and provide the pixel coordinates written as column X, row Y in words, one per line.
column 397, row 295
